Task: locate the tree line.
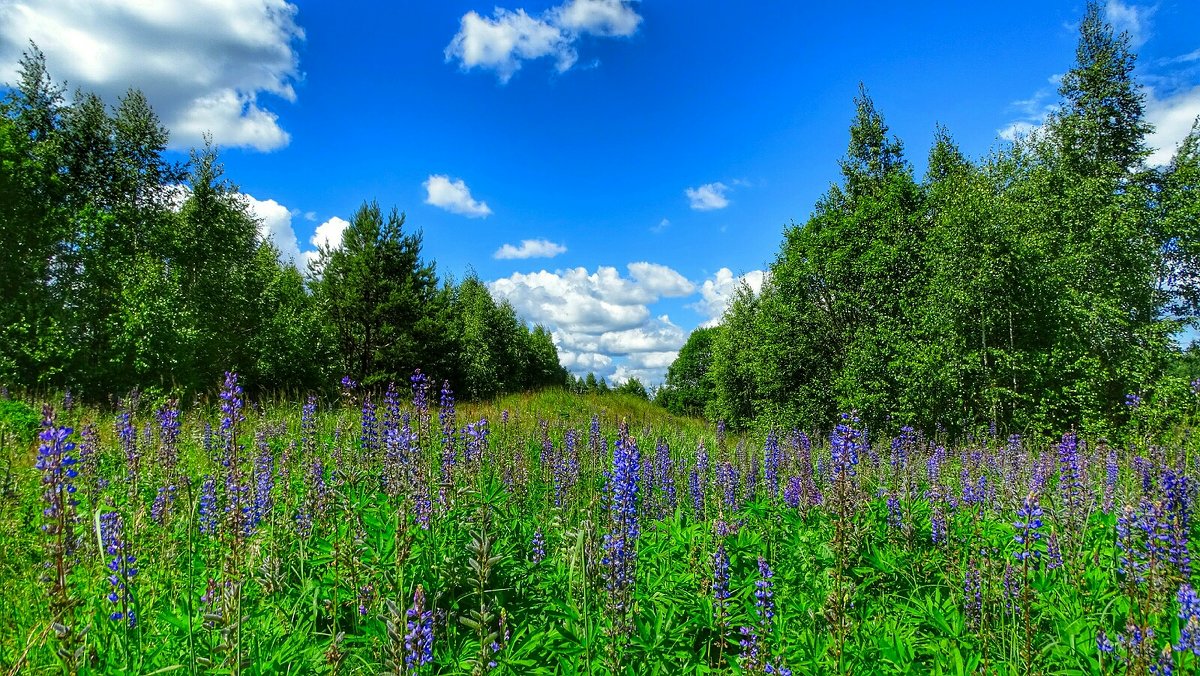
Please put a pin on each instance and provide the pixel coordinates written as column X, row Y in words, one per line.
column 123, row 269
column 1034, row 288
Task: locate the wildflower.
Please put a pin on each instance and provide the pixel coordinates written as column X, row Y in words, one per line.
column 208, row 506
column 972, row 593
column 773, row 459
column 418, row 640
column 366, row 594
column 720, row 585
column 538, row 547
column 620, row 542
column 1028, row 528
column 1189, row 613
column 120, row 565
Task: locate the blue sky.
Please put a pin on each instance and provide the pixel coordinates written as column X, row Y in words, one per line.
column 650, row 152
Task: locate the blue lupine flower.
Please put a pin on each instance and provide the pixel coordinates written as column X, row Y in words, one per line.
column 1028, row 528
column 208, row 506
column 538, row 547
column 120, row 565
column 418, row 640
column 1189, row 613
column 620, row 542
column 773, row 458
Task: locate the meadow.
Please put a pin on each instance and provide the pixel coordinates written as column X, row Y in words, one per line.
column 395, row 532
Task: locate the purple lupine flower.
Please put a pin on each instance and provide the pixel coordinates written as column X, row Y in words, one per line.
column 366, row 596
column 1189, row 613
column 264, row 483
column 1143, row 540
column 938, row 527
column 720, row 585
column 1070, row 481
column 620, row 542
column 232, row 404
column 973, row 593
column 446, row 413
column 894, row 519
column 476, row 434
column 1196, row 386
column 423, row 509
column 418, row 639
column 793, row 492
column 1054, row 557
column 1132, row 401
column 720, row 434
column 127, row 434
column 120, row 565
column 1027, row 528
column 754, row 638
column 538, row 547
column 666, row 478
column 1103, row 643
column 208, row 506
column 308, row 426
column 727, row 479
column 772, row 460
column 160, row 510
column 1111, row 475
column 1179, row 492
column 348, row 385
column 391, row 408
column 57, row 465
column 397, row 470
column 844, row 446
column 168, row 437
column 1012, row 588
column 420, row 390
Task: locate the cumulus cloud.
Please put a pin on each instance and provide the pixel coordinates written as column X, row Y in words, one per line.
column 1172, row 117
column 530, row 248
column 328, row 235
column 707, row 197
column 1130, row 19
column 453, row 196
column 205, row 65
column 717, row 293
column 275, row 223
column 501, row 43
column 661, row 280
column 601, row 320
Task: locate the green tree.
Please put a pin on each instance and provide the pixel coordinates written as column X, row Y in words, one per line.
column 688, row 387
column 380, row 298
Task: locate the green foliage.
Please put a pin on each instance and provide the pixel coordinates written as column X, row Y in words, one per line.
column 113, row 277
column 1033, row 289
column 688, row 387
column 19, row 420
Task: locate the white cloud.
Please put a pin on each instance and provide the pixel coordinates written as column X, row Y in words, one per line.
column 1130, row 19
column 501, row 43
column 662, row 226
column 327, row 235
column 530, row 248
column 275, row 223
column 1017, row 130
column 602, row 320
column 717, row 293
column 1172, row 117
column 661, row 280
column 453, row 196
column 204, row 65
column 708, row 197
column 607, row 18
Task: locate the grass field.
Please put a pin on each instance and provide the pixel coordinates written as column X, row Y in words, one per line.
column 559, row 533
